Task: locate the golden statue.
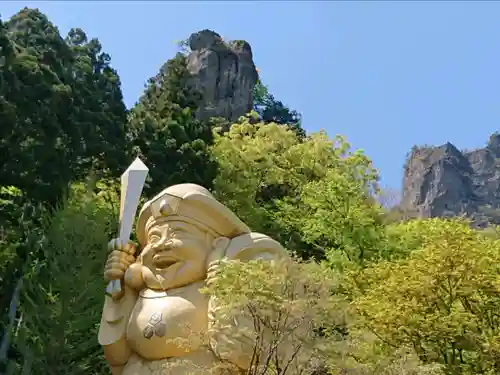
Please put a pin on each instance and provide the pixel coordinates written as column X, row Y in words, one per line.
column 183, row 232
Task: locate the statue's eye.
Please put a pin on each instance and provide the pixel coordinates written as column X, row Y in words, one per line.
column 154, row 238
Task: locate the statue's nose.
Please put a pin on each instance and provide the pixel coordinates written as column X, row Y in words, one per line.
column 158, row 246
column 173, row 243
column 164, row 245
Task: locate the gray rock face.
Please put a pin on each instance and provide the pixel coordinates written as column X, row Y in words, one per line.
column 443, row 181
column 224, row 73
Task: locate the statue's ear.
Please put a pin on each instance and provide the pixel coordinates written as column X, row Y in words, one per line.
column 219, row 246
column 252, row 246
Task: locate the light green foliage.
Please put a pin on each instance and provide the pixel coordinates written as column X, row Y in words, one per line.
column 62, row 295
column 250, row 160
column 314, row 187
column 443, row 300
column 362, row 354
column 280, row 308
column 336, row 212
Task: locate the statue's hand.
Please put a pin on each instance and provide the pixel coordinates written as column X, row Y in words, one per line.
column 119, row 259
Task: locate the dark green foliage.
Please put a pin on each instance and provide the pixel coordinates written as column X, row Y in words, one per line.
column 35, row 99
column 19, row 235
column 61, row 299
column 272, row 110
column 98, row 107
column 61, row 108
column 62, row 117
column 165, row 133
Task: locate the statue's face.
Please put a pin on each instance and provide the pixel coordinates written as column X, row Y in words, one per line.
column 175, row 254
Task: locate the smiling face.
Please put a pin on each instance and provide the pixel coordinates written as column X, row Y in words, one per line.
column 175, row 254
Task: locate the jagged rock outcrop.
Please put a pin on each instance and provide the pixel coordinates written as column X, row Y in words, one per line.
column 443, row 181
column 224, row 73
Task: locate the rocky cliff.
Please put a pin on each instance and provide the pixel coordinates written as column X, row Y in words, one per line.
column 223, row 72
column 443, row 181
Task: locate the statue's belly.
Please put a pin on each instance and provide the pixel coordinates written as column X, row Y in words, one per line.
column 163, row 325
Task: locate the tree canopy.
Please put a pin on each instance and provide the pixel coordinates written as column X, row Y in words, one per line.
column 163, row 130
column 270, row 109
column 61, row 108
column 275, row 180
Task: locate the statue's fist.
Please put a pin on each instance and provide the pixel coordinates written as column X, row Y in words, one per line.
column 119, row 259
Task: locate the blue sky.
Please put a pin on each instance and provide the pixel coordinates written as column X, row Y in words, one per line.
column 386, row 75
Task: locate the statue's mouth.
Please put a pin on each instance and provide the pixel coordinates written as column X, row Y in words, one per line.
column 164, row 259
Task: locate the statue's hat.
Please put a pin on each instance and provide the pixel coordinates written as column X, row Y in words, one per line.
column 193, row 203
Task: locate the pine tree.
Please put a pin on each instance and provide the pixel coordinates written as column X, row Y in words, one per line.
column 164, row 131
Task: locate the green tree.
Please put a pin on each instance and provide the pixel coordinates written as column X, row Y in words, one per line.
column 62, row 115
column 61, row 299
column 99, row 111
column 272, row 110
column 278, row 182
column 164, row 131
column 19, row 238
column 280, row 307
column 61, row 108
column 443, row 300
column 35, row 102
column 337, row 215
